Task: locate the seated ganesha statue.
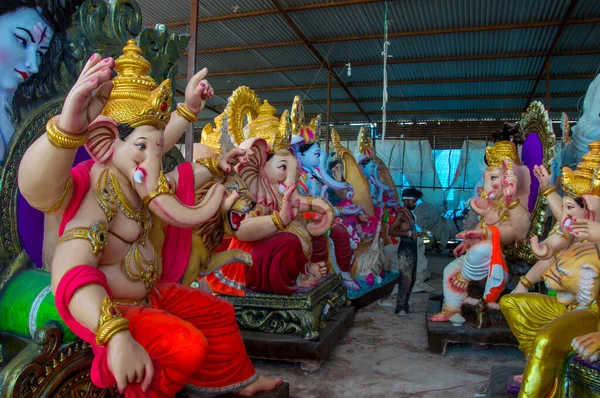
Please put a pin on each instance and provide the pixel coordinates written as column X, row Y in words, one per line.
column 315, row 180
column 110, row 286
column 275, row 233
column 504, row 219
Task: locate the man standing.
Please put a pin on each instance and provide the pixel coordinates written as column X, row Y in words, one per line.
column 404, row 227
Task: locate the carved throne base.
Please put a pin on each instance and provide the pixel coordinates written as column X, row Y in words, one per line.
column 439, row 334
column 582, row 378
column 44, row 368
column 302, row 314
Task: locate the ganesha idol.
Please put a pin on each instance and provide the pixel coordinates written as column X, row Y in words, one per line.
column 381, row 184
column 110, row 286
column 275, row 233
column 504, row 219
column 545, row 326
column 314, row 180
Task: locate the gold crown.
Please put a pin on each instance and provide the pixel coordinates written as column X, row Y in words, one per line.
column 277, row 132
column 211, row 138
column 310, row 133
column 365, row 146
column 502, row 150
column 135, row 98
column 584, row 180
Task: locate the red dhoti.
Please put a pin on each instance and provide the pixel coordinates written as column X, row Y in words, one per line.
column 277, row 262
column 194, row 338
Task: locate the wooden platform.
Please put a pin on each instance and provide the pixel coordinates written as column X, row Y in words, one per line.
column 292, row 348
column 375, row 294
column 499, row 379
column 439, row 334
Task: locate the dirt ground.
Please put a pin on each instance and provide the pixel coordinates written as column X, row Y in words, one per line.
column 386, row 356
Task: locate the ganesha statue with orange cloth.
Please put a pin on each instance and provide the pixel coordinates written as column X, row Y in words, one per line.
column 279, row 238
column 505, row 218
column 110, row 286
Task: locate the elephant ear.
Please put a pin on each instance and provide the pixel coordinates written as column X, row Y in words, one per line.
column 253, row 172
column 101, row 142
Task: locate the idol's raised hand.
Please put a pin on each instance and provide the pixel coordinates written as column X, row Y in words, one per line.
column 198, row 91
column 88, row 96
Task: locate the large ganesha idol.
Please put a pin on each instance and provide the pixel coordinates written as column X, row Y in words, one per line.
column 275, row 233
column 110, row 286
column 314, row 180
column 502, row 206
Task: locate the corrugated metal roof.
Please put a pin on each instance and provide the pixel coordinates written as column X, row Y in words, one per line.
column 464, row 78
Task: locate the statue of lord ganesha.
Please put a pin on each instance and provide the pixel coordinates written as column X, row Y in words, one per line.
column 107, row 279
column 279, row 239
column 315, row 181
column 545, row 325
column 504, row 219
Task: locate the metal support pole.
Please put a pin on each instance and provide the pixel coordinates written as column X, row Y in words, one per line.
column 191, row 69
column 434, row 170
column 421, row 164
column 403, row 153
column 328, row 112
column 466, row 161
column 548, row 85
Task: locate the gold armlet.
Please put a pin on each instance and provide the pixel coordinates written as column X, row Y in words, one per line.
column 60, row 200
column 485, row 233
column 186, row 113
column 96, row 235
column 513, row 204
column 212, row 164
column 111, row 322
column 460, row 278
column 549, row 191
column 525, row 282
column 164, row 188
column 61, row 139
column 277, row 221
column 309, row 202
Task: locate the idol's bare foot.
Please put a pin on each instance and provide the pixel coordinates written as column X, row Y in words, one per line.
column 263, row 383
column 318, row 270
column 518, row 379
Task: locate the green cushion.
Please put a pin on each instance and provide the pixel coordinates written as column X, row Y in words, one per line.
column 27, row 304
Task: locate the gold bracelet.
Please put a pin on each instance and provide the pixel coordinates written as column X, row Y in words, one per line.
column 485, row 233
column 525, row 282
column 164, row 188
column 309, row 202
column 111, row 322
column 331, row 208
column 549, row 191
column 513, row 204
column 277, row 221
column 460, row 278
column 187, row 113
column 212, row 164
column 61, row 139
column 60, row 200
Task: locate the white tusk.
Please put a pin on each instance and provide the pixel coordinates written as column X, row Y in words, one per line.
column 138, row 177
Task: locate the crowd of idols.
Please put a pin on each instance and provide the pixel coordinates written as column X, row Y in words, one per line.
column 269, row 229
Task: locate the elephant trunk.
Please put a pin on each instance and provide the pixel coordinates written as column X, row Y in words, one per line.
column 169, row 209
column 320, row 206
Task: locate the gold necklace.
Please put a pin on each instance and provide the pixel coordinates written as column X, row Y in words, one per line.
column 110, row 196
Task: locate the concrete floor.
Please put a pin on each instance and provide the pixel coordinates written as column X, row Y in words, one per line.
column 387, row 356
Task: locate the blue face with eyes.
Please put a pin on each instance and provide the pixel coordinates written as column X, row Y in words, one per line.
column 369, row 169
column 312, row 156
column 24, row 40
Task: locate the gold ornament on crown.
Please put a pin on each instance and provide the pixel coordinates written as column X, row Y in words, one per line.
column 502, row 150
column 136, row 99
column 310, row 133
column 244, row 117
column 365, row 146
column 585, row 179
